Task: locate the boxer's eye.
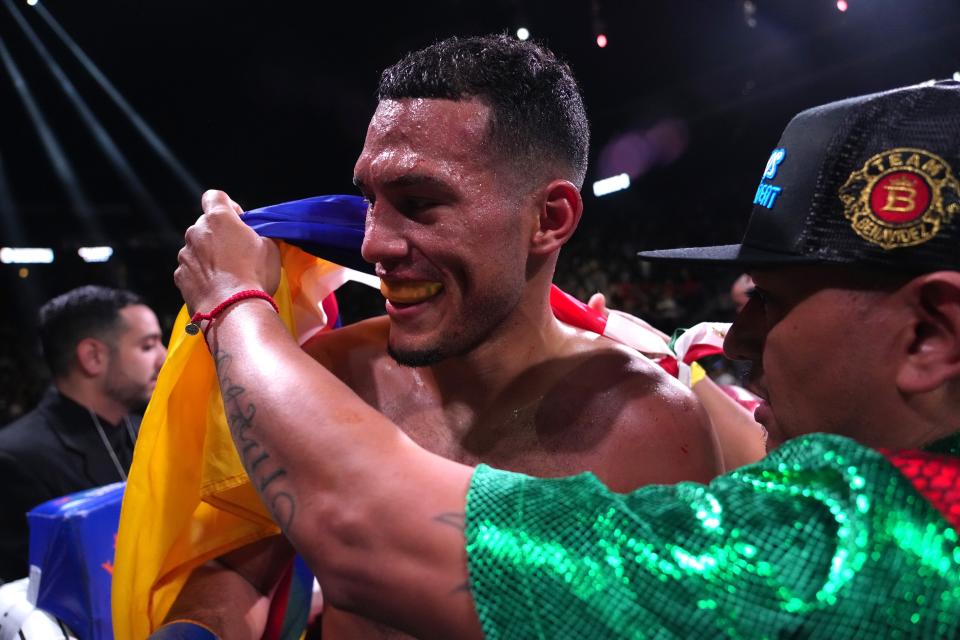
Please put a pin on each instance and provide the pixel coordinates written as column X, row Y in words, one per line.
column 415, row 205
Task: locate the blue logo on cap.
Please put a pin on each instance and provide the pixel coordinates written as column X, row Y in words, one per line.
column 767, row 194
column 770, row 172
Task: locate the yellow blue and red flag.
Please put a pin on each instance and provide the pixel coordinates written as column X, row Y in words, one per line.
column 188, row 499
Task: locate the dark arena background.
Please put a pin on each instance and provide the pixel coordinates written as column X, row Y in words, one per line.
column 115, row 115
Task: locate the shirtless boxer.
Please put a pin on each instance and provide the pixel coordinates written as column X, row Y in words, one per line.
column 472, row 165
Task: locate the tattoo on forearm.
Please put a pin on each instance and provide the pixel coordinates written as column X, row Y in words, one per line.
column 453, row 519
column 256, row 459
column 459, row 522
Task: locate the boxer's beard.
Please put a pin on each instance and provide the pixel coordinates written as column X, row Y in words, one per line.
column 421, row 358
column 488, row 317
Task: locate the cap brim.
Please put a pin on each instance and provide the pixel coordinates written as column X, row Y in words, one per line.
column 731, row 254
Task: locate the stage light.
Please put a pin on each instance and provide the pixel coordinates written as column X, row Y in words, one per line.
column 97, row 128
column 611, row 184
column 842, row 5
column 95, row 254
column 163, row 152
column 750, row 13
column 601, row 40
column 32, row 2
column 523, row 33
column 26, row 255
column 24, row 272
column 956, row 76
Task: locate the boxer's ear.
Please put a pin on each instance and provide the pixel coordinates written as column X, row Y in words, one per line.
column 559, row 214
column 932, row 357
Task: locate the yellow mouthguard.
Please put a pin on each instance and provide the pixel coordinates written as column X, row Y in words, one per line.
column 409, row 292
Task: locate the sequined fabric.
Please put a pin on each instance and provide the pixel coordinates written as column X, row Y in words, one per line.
column 935, row 477
column 822, row 539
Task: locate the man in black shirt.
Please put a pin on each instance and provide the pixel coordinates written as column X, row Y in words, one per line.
column 104, row 350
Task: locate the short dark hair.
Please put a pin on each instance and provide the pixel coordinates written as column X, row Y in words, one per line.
column 537, row 115
column 85, row 312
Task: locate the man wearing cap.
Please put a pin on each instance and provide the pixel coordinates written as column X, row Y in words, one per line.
column 847, row 530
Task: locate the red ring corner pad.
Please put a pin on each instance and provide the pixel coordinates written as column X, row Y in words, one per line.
column 935, row 476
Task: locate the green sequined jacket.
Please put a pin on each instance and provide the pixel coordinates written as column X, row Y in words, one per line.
column 824, row 538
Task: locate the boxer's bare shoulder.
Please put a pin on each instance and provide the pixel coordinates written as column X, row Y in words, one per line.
column 357, row 354
column 598, row 406
column 335, row 349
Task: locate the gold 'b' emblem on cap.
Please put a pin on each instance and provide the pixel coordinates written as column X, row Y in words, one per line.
column 900, row 197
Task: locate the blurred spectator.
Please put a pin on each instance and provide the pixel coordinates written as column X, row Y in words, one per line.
column 21, row 375
column 740, row 291
column 104, row 350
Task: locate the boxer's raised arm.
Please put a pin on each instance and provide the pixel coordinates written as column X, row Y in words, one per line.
column 378, row 519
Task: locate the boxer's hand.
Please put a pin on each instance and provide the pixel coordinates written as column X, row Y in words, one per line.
column 222, row 256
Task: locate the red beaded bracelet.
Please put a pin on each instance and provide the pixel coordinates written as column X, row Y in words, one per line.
column 193, row 327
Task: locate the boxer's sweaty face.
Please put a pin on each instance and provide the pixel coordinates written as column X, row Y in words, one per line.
column 446, row 237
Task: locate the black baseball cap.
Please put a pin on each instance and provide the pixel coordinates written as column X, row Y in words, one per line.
column 868, row 180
